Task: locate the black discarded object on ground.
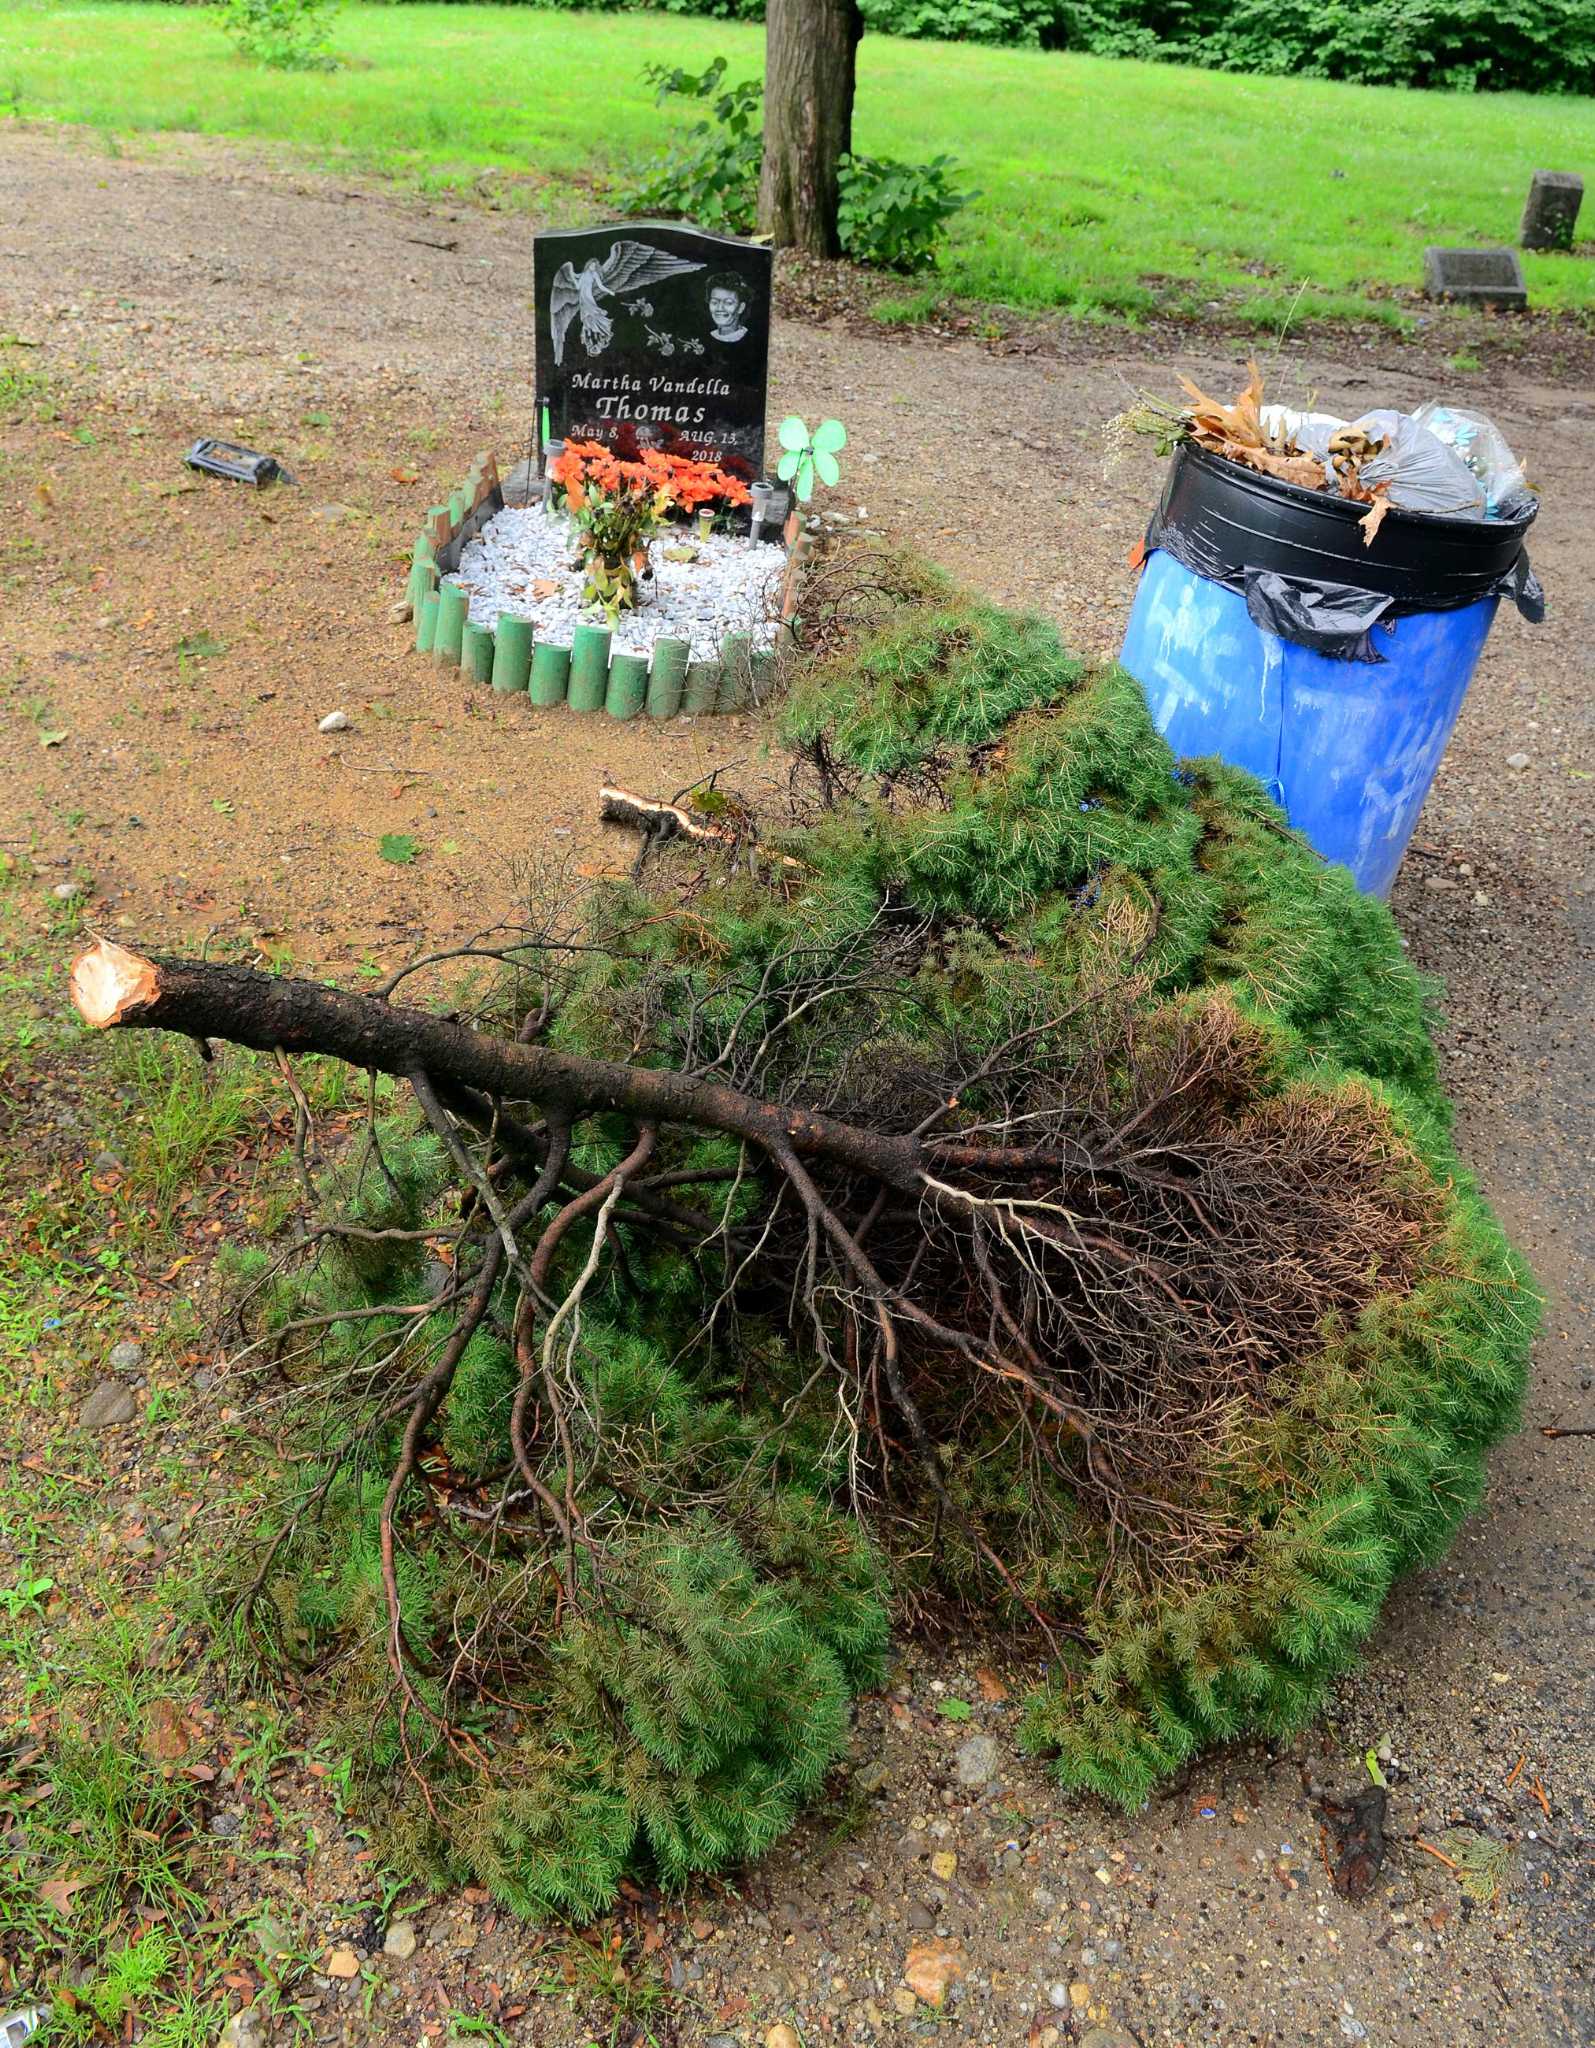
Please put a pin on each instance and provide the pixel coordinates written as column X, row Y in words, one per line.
column 240, row 465
column 1354, row 1838
column 1293, row 553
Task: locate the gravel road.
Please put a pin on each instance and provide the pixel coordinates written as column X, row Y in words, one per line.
column 196, row 290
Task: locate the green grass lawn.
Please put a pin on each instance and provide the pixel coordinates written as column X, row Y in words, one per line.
column 1106, row 188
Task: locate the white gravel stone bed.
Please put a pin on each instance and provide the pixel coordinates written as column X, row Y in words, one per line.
column 732, row 585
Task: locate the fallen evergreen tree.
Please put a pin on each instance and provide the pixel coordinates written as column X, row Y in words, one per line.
column 1021, row 1180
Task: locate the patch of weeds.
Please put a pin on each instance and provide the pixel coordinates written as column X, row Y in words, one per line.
column 21, row 386
column 187, row 1112
column 201, row 645
column 912, row 309
column 1464, row 361
column 97, row 1832
column 187, row 2019
column 846, row 1813
column 56, row 1270
column 26, row 1597
column 473, row 2026
column 601, row 1969
column 288, row 1963
column 131, row 1972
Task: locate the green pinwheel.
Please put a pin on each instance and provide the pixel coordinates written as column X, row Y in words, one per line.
column 809, row 455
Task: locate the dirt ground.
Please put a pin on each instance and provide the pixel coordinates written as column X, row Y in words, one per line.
column 168, row 647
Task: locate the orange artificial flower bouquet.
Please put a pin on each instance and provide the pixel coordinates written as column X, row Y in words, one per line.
column 619, row 506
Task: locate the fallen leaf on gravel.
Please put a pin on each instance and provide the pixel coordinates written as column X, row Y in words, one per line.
column 342, row 1962
column 52, row 739
column 165, row 1733
column 991, row 1686
column 59, row 1891
column 404, row 476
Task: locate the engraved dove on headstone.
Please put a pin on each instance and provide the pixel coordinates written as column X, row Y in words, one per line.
column 576, row 294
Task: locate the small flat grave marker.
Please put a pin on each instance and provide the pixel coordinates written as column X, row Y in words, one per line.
column 651, row 335
column 1476, row 277
column 1551, row 213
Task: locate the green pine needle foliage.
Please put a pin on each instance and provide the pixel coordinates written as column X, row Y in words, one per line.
column 1015, row 843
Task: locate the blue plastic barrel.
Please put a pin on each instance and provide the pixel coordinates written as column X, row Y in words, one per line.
column 1346, row 746
column 1347, row 749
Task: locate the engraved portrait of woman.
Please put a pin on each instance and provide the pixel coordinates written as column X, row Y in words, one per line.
column 728, row 308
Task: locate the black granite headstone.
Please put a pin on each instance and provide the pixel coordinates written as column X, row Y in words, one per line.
column 1551, row 212
column 1475, row 277
column 654, row 336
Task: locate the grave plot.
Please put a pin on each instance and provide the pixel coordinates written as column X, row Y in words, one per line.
column 641, row 561
column 697, row 589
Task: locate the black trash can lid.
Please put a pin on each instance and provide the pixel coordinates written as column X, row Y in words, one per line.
column 1221, row 519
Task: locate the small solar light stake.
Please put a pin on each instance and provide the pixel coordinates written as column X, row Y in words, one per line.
column 238, row 465
column 552, row 451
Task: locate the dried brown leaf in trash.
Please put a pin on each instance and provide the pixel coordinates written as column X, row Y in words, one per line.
column 1236, row 432
column 1305, row 470
column 1374, row 517
column 1354, row 445
column 1240, row 422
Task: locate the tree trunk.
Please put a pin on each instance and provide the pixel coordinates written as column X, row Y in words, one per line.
column 811, row 49
column 114, row 987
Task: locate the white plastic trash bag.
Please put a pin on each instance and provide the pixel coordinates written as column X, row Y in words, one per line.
column 1308, row 431
column 1476, row 440
column 1420, row 472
